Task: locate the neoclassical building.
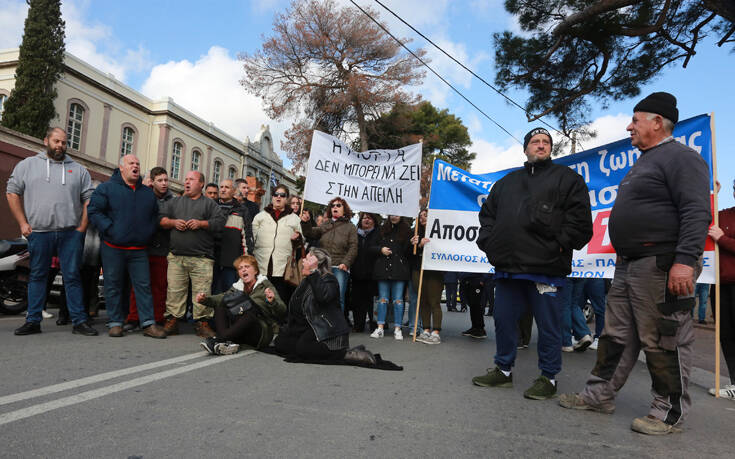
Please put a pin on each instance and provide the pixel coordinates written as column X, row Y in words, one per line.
column 106, row 119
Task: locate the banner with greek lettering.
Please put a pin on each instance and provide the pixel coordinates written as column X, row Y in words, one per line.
column 457, row 195
column 379, row 181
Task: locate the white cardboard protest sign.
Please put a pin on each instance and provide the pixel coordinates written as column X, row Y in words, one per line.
column 378, row 181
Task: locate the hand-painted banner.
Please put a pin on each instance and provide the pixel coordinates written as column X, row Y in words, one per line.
column 457, row 195
column 379, row 181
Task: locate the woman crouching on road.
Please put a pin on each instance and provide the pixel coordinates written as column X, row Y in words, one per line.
column 316, row 328
column 248, row 313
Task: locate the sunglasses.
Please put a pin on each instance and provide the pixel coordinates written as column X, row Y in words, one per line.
column 279, row 195
column 337, row 204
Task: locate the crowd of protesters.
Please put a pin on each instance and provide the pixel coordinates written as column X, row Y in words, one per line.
column 290, row 276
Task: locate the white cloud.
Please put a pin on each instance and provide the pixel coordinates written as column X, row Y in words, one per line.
column 210, row 89
column 493, row 157
column 610, row 128
column 12, row 18
column 93, row 43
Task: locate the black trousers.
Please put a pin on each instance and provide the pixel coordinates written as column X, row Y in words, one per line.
column 727, row 326
column 306, row 346
column 471, row 292
column 284, row 289
column 244, row 329
column 362, row 293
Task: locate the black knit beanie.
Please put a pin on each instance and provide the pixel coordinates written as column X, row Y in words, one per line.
column 533, row 132
column 660, row 103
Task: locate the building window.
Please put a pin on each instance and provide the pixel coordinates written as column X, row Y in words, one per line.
column 128, row 139
column 196, row 160
column 231, row 172
column 3, row 99
column 74, row 126
column 176, row 160
column 217, row 171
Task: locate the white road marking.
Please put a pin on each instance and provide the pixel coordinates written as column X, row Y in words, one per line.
column 101, row 392
column 41, row 391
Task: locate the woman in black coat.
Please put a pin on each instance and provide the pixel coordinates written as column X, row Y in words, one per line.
column 392, row 271
column 364, row 287
column 316, row 328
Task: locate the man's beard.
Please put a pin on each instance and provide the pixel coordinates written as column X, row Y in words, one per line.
column 53, row 154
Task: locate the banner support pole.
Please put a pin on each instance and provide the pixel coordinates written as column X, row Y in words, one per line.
column 421, row 273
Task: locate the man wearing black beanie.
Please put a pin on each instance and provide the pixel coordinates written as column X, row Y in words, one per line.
column 531, row 221
column 658, row 227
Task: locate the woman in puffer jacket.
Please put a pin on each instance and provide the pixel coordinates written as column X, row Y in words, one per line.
column 276, row 234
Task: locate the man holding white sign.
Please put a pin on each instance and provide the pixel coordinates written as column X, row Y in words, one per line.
column 529, row 224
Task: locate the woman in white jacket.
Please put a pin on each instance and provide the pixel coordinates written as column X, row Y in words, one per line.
column 276, row 233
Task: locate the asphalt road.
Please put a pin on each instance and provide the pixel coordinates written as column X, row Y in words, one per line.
column 64, row 395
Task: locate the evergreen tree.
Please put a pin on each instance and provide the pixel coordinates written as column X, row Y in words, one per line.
column 30, row 107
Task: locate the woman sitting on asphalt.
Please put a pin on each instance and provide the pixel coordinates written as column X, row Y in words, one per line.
column 338, row 236
column 248, row 313
column 316, row 328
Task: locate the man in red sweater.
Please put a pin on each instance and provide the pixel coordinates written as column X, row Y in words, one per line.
column 724, row 236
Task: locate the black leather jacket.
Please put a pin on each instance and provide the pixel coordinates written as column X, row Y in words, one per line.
column 318, row 300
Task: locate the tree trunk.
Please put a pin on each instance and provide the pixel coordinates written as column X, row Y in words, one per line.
column 361, row 125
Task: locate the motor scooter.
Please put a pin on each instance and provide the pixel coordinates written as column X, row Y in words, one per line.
column 14, row 275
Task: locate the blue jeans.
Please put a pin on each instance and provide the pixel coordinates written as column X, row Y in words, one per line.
column 572, row 317
column 67, row 245
column 413, row 298
column 342, row 278
column 702, row 293
column 513, row 297
column 390, row 291
column 116, row 264
column 594, row 290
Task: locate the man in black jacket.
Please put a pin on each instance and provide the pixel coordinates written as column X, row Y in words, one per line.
column 235, row 239
column 531, row 221
column 658, row 227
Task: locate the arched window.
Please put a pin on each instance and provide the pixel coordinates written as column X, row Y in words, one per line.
column 217, row 171
column 176, row 160
column 74, row 126
column 3, row 99
column 196, row 160
column 127, row 141
column 231, row 172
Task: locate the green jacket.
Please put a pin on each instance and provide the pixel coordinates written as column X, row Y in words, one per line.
column 270, row 314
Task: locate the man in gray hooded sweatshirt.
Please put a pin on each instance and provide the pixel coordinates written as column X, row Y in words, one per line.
column 47, row 195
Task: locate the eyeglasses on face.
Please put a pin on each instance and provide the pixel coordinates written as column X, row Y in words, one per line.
column 336, row 204
column 279, row 194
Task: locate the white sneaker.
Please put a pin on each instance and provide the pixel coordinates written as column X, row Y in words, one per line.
column 227, row 348
column 378, row 333
column 424, row 337
column 582, row 344
column 397, row 334
column 434, row 339
column 567, row 349
column 593, row 346
column 46, row 314
column 726, row 392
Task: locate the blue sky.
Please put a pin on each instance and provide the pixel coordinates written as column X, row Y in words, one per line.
column 188, row 50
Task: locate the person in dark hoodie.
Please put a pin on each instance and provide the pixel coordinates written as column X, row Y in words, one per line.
column 658, row 227
column 126, row 215
column 47, row 195
column 364, row 287
column 531, row 221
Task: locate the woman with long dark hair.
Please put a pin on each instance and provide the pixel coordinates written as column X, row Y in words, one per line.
column 364, row 287
column 392, row 271
column 338, row 237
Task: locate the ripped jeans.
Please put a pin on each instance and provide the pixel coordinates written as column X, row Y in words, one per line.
column 390, row 290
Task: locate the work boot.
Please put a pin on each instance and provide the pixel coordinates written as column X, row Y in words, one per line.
column 650, row 425
column 116, row 332
column 542, row 389
column 154, row 331
column 84, row 329
column 171, row 326
column 493, row 378
column 203, row 330
column 576, row 402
